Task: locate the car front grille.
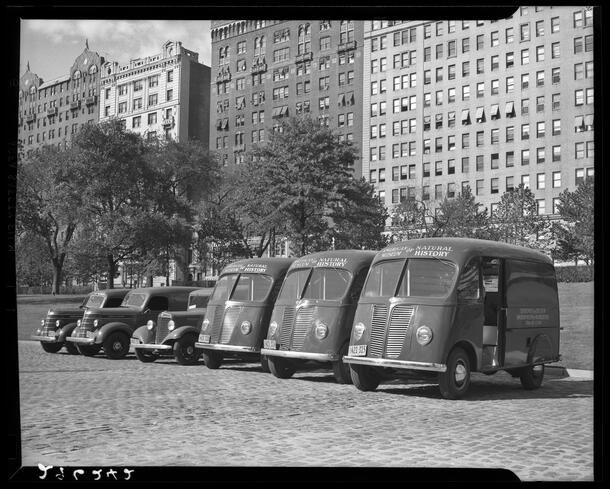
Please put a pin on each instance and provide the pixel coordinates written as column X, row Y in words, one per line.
column 161, row 329
column 85, row 325
column 286, row 331
column 49, row 327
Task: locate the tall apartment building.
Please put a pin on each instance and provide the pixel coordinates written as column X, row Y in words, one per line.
column 51, row 112
column 266, row 70
column 166, row 95
column 485, row 104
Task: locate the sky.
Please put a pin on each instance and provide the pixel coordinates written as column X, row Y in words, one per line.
column 52, row 45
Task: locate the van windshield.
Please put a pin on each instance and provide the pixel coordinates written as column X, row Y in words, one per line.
column 95, row 300
column 223, row 287
column 425, row 277
column 293, row 284
column 252, row 287
column 133, row 300
column 327, row 284
column 383, row 278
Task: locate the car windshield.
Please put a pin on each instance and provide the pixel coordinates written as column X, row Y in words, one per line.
column 198, row 301
column 223, row 287
column 425, row 277
column 252, row 287
column 327, row 284
column 95, row 300
column 383, row 278
column 293, row 284
column 134, row 300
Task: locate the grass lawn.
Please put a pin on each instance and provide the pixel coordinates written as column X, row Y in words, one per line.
column 575, row 299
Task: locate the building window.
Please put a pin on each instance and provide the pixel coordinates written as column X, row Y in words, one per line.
column 153, row 98
column 540, row 181
column 540, row 156
column 556, row 179
column 152, row 118
column 525, row 157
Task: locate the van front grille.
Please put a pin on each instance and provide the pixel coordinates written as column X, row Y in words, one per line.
column 301, row 327
column 228, row 324
column 400, row 320
column 216, row 324
column 286, row 332
column 379, row 318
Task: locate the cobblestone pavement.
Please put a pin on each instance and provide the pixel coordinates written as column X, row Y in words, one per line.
column 95, row 411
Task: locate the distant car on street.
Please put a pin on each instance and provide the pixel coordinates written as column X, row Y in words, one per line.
column 110, row 329
column 174, row 333
column 61, row 321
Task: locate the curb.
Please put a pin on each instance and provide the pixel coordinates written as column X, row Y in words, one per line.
column 562, row 372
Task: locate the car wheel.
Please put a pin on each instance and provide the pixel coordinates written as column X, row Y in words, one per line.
column 145, row 356
column 281, row 368
column 88, row 350
column 51, row 347
column 364, row 378
column 341, row 369
column 212, row 359
column 185, row 351
column 116, row 345
column 71, row 348
column 531, row 377
column 455, row 381
column 265, row 364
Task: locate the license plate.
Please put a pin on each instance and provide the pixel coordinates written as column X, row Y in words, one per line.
column 357, row 350
column 51, row 334
column 269, row 344
column 204, row 338
column 135, row 341
column 90, row 334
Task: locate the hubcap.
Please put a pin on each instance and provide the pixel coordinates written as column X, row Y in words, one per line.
column 460, row 373
column 189, row 350
column 117, row 346
column 537, row 370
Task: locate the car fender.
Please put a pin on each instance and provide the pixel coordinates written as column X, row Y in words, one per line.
column 65, row 331
column 180, row 332
column 541, row 350
column 143, row 334
column 108, row 328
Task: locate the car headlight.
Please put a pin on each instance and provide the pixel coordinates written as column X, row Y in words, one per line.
column 150, row 324
column 57, row 323
column 205, row 324
column 246, row 327
column 359, row 331
column 171, row 325
column 78, row 322
column 320, row 329
column 95, row 323
column 42, row 322
column 272, row 328
column 423, row 335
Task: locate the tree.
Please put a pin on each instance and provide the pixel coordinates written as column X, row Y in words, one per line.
column 299, row 179
column 516, row 220
column 462, row 217
column 32, row 263
column 412, row 219
column 50, row 202
column 575, row 230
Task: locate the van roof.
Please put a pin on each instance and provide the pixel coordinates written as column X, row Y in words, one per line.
column 347, row 259
column 458, row 250
column 269, row 266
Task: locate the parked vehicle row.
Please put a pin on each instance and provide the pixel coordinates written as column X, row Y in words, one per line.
column 438, row 308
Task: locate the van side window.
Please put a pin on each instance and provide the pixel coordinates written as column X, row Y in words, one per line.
column 468, row 286
column 530, row 283
column 491, row 280
column 158, row 303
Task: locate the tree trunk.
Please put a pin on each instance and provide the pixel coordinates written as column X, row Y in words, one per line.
column 56, row 278
column 111, row 270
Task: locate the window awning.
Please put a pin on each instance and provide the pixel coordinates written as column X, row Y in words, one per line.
column 218, row 123
column 276, row 112
column 341, row 99
column 451, row 116
column 495, row 110
column 284, row 111
column 589, row 120
column 579, row 121
column 351, row 100
column 510, row 108
column 225, row 123
column 465, row 115
column 439, row 117
column 480, row 113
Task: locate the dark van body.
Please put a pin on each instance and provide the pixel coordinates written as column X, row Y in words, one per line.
column 174, row 333
column 314, row 311
column 452, row 306
column 61, row 321
column 111, row 328
column 238, row 312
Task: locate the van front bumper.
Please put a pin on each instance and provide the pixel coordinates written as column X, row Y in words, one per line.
column 385, row 362
column 216, row 346
column 302, row 355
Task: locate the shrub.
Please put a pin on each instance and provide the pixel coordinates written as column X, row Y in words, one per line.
column 581, row 273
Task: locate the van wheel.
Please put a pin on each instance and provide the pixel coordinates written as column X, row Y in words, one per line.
column 116, row 345
column 455, row 381
column 265, row 364
column 51, row 347
column 212, row 359
column 88, row 350
column 145, row 356
column 341, row 370
column 364, row 378
column 281, row 368
column 531, row 377
column 185, row 351
column 71, row 348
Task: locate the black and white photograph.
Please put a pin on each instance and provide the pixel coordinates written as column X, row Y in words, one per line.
column 316, row 250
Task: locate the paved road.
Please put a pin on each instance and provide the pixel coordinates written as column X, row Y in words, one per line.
column 94, row 411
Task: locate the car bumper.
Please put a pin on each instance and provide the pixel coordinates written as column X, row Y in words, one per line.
column 384, row 362
column 151, row 346
column 302, row 355
column 216, row 346
column 82, row 341
column 46, row 339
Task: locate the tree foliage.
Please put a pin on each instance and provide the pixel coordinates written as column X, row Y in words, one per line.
column 462, row 217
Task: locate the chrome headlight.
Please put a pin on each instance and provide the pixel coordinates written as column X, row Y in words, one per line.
column 95, row 323
column 320, row 329
column 246, row 327
column 205, row 324
column 57, row 323
column 42, row 322
column 171, row 325
column 78, row 322
column 272, row 328
column 359, row 329
column 423, row 335
column 150, row 324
